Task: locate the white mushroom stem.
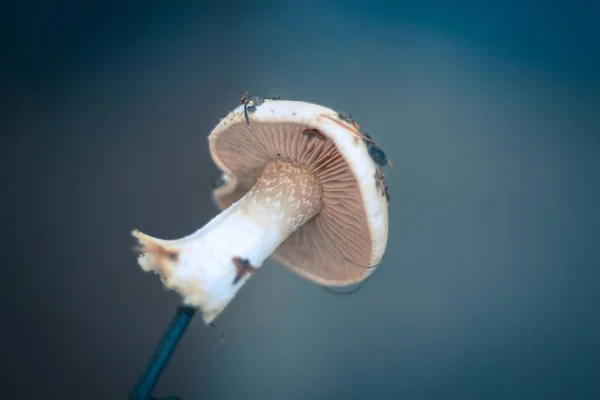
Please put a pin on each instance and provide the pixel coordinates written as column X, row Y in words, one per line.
column 202, row 266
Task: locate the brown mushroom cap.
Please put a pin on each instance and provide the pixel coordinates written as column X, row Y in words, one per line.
column 339, row 245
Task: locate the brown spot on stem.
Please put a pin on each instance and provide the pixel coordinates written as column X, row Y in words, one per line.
column 243, row 267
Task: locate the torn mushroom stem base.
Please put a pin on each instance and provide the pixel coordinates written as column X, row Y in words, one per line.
column 209, row 266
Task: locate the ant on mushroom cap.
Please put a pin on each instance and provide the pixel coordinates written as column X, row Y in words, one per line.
column 251, row 104
column 379, row 157
column 376, row 152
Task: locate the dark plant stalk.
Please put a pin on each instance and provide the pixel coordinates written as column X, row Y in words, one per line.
column 163, row 352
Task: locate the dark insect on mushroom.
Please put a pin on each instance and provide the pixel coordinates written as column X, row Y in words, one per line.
column 375, row 152
column 313, row 133
column 243, row 267
column 380, row 181
column 251, row 104
column 346, row 117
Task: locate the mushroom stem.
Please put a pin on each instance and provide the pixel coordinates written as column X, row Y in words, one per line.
column 209, row 266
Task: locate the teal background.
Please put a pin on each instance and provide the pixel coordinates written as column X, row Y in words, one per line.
column 490, row 113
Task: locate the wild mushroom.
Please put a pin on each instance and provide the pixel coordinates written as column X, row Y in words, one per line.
column 297, row 185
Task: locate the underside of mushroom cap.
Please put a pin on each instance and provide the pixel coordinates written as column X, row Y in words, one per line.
column 338, row 246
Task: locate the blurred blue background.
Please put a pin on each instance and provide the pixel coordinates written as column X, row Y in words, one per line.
column 491, row 114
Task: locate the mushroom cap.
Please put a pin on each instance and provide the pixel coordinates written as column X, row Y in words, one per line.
column 344, row 243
